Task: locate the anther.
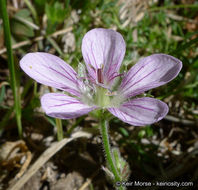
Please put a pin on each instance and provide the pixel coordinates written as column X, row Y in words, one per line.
column 99, row 76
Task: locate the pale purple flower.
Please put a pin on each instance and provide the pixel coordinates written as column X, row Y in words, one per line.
column 102, row 86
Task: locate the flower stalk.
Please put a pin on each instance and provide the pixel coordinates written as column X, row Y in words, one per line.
column 59, row 125
column 107, row 149
column 59, row 129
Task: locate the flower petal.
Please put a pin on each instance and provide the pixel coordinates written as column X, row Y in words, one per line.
column 103, row 48
column 62, row 106
column 150, row 72
column 141, row 111
column 50, row 70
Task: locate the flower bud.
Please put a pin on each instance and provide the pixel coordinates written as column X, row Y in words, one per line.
column 121, row 165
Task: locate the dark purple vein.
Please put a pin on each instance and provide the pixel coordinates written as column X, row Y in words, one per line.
column 125, row 81
column 73, row 81
column 72, row 77
column 139, row 106
column 93, row 55
column 68, row 103
column 142, row 78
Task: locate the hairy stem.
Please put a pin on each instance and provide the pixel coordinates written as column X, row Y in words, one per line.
column 107, row 148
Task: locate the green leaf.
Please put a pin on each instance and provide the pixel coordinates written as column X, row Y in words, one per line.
column 18, row 27
column 25, row 13
column 22, row 30
column 2, row 93
column 55, row 12
column 124, row 132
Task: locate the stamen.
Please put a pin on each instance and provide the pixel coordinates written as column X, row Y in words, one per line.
column 92, row 67
column 99, row 76
column 109, row 93
column 114, row 76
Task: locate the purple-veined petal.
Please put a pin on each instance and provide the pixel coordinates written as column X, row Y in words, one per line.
column 64, row 107
column 150, row 72
column 141, row 111
column 50, row 70
column 103, row 49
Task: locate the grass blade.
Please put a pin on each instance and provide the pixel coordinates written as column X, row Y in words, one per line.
column 13, row 82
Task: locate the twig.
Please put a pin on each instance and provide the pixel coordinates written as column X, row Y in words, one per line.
column 180, row 18
column 9, row 7
column 25, row 21
column 53, row 149
column 180, row 6
column 25, row 165
column 39, row 38
column 179, row 120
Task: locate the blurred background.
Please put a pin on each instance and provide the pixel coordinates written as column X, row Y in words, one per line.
column 166, row 151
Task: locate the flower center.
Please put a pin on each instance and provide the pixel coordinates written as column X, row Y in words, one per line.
column 97, row 93
column 101, row 98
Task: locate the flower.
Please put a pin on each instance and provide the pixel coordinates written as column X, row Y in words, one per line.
column 101, row 85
